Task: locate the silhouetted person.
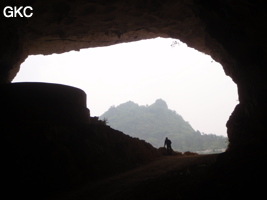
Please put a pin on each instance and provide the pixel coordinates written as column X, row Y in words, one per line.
column 169, row 147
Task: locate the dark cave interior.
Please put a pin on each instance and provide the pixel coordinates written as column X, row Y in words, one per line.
column 48, row 154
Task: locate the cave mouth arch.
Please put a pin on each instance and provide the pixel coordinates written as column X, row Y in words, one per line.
column 232, row 32
column 222, row 29
column 150, row 67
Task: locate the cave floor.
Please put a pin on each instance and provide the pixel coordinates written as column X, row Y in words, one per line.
column 168, row 177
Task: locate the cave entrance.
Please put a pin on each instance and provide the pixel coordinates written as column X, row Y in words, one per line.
column 191, row 83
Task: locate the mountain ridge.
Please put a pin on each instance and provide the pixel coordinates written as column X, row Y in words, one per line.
column 155, row 122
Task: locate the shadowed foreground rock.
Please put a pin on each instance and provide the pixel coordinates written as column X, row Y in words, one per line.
column 178, row 178
column 49, row 145
column 40, row 159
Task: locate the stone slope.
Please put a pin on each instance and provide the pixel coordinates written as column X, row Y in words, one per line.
column 43, row 158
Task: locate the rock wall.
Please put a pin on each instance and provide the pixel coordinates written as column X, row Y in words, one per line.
column 238, row 27
column 41, row 159
column 232, row 32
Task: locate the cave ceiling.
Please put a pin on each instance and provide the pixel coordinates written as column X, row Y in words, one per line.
column 226, row 30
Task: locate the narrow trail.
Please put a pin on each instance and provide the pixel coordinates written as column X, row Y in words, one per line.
column 126, row 185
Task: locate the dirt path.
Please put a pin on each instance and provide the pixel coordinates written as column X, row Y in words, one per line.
column 116, row 187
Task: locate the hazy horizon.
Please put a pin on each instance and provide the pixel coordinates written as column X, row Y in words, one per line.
column 191, row 83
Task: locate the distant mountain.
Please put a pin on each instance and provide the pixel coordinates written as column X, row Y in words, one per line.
column 156, row 122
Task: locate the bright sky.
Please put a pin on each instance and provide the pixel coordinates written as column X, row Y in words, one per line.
column 191, row 83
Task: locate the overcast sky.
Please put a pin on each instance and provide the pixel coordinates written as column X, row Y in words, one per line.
column 191, row 83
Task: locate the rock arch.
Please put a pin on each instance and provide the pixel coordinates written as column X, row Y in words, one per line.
column 231, row 32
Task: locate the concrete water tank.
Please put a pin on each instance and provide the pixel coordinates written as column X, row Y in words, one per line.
column 42, row 102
